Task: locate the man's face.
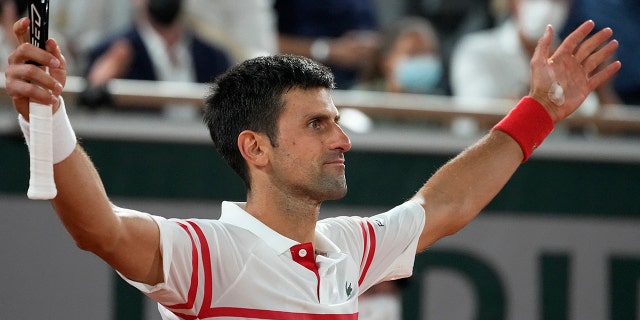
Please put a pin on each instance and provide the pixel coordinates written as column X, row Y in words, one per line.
column 309, row 158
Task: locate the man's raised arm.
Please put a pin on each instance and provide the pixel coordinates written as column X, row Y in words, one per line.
column 560, row 82
column 127, row 240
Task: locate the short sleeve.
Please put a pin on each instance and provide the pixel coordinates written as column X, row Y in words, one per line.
column 383, row 244
column 177, row 245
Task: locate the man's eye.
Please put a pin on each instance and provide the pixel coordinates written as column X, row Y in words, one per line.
column 315, row 124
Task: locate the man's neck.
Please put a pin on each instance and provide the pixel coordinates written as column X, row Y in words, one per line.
column 294, row 219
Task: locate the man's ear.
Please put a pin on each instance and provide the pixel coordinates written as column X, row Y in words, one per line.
column 253, row 147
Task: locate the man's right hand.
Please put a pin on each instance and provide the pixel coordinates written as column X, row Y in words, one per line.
column 27, row 81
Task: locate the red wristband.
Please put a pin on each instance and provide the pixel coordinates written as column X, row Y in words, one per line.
column 528, row 123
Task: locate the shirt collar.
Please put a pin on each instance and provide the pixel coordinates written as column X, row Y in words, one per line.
column 233, row 213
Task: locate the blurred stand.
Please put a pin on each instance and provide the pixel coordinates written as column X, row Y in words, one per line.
column 404, row 107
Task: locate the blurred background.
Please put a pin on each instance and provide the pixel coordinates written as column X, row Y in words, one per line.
column 418, row 81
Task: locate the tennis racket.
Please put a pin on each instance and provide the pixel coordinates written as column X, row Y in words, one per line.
column 41, row 183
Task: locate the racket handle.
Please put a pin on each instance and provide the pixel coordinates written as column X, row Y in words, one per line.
column 41, row 183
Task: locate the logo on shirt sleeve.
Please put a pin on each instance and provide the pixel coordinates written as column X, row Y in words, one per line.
column 347, row 288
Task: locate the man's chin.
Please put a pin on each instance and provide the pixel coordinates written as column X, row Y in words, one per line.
column 337, row 195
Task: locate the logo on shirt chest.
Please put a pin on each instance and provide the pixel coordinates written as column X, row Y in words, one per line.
column 348, row 289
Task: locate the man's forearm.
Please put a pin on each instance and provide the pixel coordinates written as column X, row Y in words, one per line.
column 82, row 203
column 459, row 190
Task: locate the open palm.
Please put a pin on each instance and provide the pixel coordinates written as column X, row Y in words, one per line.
column 577, row 66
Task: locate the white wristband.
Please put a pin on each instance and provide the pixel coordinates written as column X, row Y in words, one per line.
column 64, row 139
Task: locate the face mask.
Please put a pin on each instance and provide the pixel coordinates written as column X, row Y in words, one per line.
column 164, row 12
column 418, row 74
column 535, row 15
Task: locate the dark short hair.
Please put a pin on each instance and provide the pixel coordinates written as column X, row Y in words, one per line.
column 249, row 96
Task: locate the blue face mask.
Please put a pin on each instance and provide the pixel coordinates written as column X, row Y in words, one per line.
column 418, row 74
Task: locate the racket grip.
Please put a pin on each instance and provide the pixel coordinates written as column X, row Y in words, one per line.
column 41, row 183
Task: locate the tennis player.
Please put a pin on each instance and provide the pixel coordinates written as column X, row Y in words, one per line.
column 274, row 122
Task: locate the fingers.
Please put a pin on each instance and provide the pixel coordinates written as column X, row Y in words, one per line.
column 541, row 52
column 23, row 54
column 27, row 52
column 591, row 53
column 18, row 89
column 20, row 69
column 604, row 75
column 28, row 82
column 21, row 30
column 573, row 40
column 39, row 86
column 31, row 82
column 594, row 42
column 596, row 59
column 54, row 49
column 60, row 73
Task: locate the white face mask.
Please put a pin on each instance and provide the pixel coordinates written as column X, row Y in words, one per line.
column 418, row 74
column 535, row 15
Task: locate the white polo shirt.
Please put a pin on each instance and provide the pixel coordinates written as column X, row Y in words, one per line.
column 238, row 268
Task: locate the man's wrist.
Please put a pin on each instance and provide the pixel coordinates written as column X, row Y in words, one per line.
column 528, row 123
column 64, row 138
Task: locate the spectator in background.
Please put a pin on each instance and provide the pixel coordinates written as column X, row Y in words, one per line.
column 86, row 23
column 452, row 19
column 339, row 33
column 623, row 16
column 494, row 63
column 246, row 27
column 10, row 12
column 407, row 60
column 158, row 47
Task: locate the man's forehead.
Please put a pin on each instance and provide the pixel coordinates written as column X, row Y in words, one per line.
column 309, row 100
